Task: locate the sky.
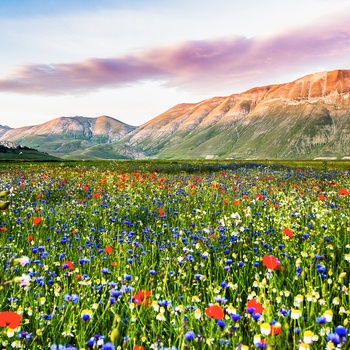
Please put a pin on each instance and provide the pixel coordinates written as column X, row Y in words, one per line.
column 135, row 59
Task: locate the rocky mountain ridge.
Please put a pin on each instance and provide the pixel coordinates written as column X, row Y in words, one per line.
column 309, row 117
column 306, row 118
column 65, row 135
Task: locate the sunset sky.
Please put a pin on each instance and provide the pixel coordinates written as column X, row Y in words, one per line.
column 133, row 60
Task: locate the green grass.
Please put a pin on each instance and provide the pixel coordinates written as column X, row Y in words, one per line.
column 137, row 252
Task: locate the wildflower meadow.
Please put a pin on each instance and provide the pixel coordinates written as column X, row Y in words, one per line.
column 132, row 256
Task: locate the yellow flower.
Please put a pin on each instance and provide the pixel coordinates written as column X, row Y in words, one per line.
column 16, row 344
column 209, row 341
column 197, row 314
column 330, row 345
column 336, row 301
column 257, row 339
column 286, row 293
column 309, row 297
column 155, row 305
column 308, row 337
column 342, row 275
column 160, row 317
column 328, row 314
column 298, row 300
column 10, row 332
column 265, row 328
column 295, row 314
column 231, row 310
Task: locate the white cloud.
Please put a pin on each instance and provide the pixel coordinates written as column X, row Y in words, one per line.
column 133, row 105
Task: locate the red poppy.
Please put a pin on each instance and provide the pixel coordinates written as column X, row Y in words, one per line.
column 321, row 197
column 108, row 249
column 68, row 265
column 271, row 262
column 37, row 221
column 161, row 212
column 141, row 297
column 4, row 229
column 275, row 329
column 30, row 238
column 97, row 195
column 138, row 347
column 256, row 305
column 258, row 196
column 343, row 192
column 287, row 232
column 10, row 319
column 215, row 311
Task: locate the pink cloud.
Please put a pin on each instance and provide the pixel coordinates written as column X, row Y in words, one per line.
column 194, row 64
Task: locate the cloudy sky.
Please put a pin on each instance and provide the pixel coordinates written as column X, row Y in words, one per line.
column 134, row 59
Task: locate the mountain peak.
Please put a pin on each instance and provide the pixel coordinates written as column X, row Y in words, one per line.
column 316, row 85
column 308, row 117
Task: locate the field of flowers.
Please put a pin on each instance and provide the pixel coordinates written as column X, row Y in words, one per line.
column 125, row 256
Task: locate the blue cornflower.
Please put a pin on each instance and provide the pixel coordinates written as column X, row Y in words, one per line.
column 189, row 335
column 221, row 323
column 224, row 342
column 334, row 338
column 108, row 346
column 235, row 317
column 39, row 280
column 256, row 316
column 164, row 303
column 220, row 299
column 341, row 331
column 115, row 293
column 127, row 277
column 198, row 276
column 250, row 310
column 74, row 298
column 126, row 289
column 223, row 285
column 321, row 320
column 83, row 261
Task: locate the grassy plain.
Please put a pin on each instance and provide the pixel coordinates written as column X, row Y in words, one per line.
column 175, row 255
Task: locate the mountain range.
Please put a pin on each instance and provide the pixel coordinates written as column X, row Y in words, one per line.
column 304, row 119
